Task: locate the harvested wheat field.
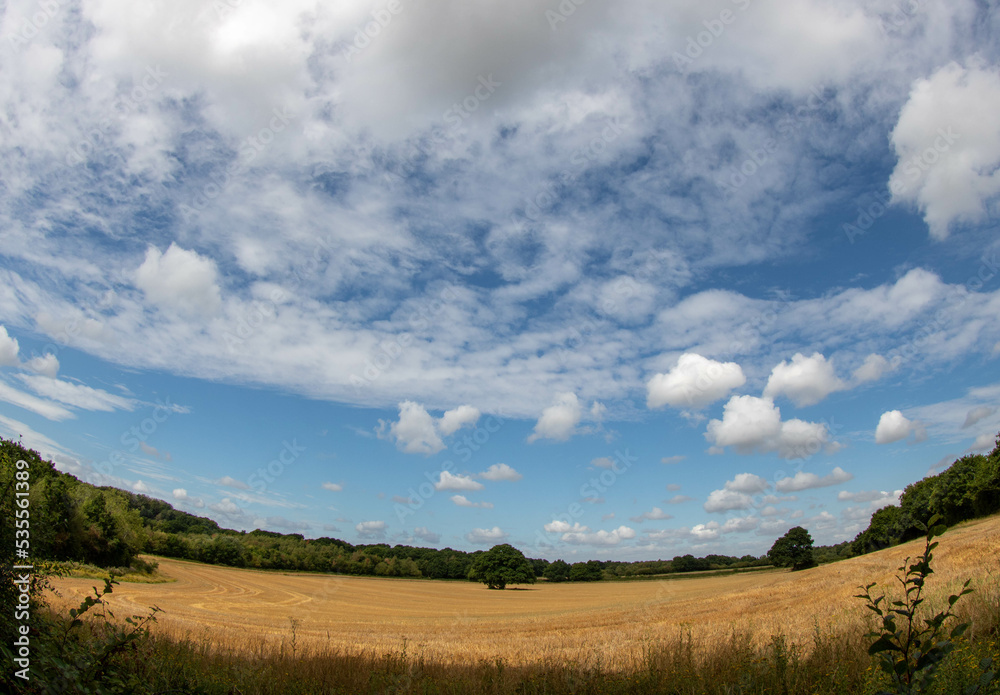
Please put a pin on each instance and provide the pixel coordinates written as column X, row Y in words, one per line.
column 608, row 623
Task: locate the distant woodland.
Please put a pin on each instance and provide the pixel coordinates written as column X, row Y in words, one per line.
column 75, row 521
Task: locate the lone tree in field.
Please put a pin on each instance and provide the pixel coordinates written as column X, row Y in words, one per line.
column 502, row 565
column 794, row 549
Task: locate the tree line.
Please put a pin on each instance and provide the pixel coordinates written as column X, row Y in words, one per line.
column 74, row 520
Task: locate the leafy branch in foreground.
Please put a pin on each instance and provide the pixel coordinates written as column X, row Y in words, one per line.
column 909, row 652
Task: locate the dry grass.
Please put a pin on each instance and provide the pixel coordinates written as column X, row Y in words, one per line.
column 603, row 625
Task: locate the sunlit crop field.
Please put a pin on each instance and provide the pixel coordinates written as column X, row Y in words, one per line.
column 606, row 623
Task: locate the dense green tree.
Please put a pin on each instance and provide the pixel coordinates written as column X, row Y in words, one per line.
column 557, row 571
column 589, row 571
column 502, row 565
column 794, row 549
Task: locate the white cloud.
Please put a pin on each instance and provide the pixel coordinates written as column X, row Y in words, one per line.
column 46, row 365
column 706, row 532
column 893, row 426
column 806, row 380
column 181, row 495
column 656, row 514
column 9, row 349
column 76, row 395
column 808, row 481
column 748, row 483
column 671, row 460
column 500, row 472
column 872, row 369
column 229, row 481
column 869, row 496
column 482, row 536
column 415, row 431
column 39, row 406
column 450, row 481
column 454, row 420
column 332, row 487
column 976, row 414
column 694, row 383
column 558, row 421
column 948, row 146
column 727, row 500
column 228, row 507
column 180, row 279
column 752, row 424
column 463, row 501
column 984, row 442
column 740, row 524
column 141, row 487
column 371, row 530
column 679, row 499
column 598, row 538
column 603, row 462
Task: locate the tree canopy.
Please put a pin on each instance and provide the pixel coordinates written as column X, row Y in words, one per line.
column 794, row 549
column 502, row 565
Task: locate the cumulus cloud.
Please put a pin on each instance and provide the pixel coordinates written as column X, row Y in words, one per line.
column 868, row 496
column 454, row 420
column 371, row 530
column 807, row 481
column 463, row 501
column 894, row 426
column 727, row 500
column 693, row 383
column 984, row 442
column 740, row 524
column 751, row 424
column 46, row 365
column 603, row 462
column 559, row 421
column 181, row 280
column 948, row 146
column 655, row 514
column 332, row 487
column 679, row 499
column 181, row 495
column 705, row 532
column 600, row 537
column 414, row 432
column 417, row 432
column 805, row 380
column 671, row 460
column 483, row 536
column 501, row 472
column 748, row 483
column 450, row 481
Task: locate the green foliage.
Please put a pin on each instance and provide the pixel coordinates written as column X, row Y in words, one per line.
column 968, row 489
column 502, row 565
column 910, row 653
column 794, row 549
column 557, row 571
column 589, row 571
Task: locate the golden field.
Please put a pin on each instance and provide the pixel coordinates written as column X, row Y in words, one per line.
column 609, row 624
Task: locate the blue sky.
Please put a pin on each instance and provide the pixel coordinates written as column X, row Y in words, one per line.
column 601, row 280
